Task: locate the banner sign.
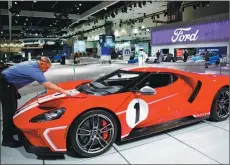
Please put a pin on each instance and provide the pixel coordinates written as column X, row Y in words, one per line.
column 207, row 32
column 127, row 51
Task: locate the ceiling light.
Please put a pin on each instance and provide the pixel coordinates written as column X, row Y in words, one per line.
column 35, row 1
column 80, row 4
column 125, row 9
column 203, row 4
column 182, row 9
column 140, row 4
column 105, row 8
column 18, row 15
column 112, row 15
column 208, row 3
column 26, row 19
column 194, row 6
column 130, row 6
column 15, row 3
column 78, row 8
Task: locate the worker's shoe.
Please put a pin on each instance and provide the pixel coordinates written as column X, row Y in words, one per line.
column 11, row 143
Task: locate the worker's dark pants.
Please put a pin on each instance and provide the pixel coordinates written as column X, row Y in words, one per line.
column 8, row 97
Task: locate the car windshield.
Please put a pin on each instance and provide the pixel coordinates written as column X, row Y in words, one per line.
column 110, row 84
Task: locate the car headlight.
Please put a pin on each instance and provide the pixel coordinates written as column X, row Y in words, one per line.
column 48, row 116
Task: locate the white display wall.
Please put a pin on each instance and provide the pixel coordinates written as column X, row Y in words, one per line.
column 145, row 46
column 195, row 45
column 79, row 46
column 120, row 46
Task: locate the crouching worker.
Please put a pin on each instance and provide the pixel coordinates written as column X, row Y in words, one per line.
column 11, row 80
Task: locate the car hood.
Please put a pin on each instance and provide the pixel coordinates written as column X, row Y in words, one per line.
column 47, row 96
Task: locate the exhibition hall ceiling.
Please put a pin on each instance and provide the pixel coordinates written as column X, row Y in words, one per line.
column 27, row 17
column 65, row 19
column 54, row 18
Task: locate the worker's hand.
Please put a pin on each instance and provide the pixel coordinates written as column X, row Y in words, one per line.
column 68, row 93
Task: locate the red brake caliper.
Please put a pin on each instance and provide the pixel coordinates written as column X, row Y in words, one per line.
column 105, row 135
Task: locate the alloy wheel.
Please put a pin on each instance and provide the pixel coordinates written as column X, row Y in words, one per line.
column 95, row 133
column 222, row 104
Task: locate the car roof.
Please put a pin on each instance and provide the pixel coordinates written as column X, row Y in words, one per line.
column 151, row 69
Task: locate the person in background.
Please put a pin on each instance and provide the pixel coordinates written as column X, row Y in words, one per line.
column 11, row 80
column 142, row 57
column 158, row 55
column 185, row 56
column 206, row 58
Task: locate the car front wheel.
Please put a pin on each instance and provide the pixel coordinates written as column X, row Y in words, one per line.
column 93, row 133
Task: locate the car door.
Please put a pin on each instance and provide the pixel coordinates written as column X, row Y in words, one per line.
column 161, row 106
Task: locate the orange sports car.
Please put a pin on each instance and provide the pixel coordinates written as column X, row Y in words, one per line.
column 126, row 104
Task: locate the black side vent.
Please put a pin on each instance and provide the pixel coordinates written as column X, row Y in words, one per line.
column 195, row 92
column 46, row 108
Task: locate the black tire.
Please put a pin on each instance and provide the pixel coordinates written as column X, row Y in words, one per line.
column 215, row 110
column 75, row 139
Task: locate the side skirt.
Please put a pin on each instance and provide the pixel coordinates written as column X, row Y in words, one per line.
column 140, row 133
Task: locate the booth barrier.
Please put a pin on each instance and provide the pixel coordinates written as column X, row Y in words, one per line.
column 180, row 65
column 83, row 60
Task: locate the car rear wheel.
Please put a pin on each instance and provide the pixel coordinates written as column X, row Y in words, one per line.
column 93, row 133
column 220, row 106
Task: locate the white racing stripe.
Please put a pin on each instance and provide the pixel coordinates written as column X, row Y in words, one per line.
column 119, row 113
column 46, row 132
column 125, row 135
column 42, row 100
column 162, row 98
column 35, row 104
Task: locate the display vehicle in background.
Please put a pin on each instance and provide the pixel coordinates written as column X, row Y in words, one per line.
column 214, row 58
column 125, row 105
column 162, row 58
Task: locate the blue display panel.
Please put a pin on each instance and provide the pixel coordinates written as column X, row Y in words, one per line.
column 217, row 50
column 107, row 43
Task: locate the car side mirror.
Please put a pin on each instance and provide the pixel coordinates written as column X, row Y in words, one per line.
column 147, row 90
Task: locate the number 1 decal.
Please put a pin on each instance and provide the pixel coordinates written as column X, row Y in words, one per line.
column 137, row 107
column 137, row 112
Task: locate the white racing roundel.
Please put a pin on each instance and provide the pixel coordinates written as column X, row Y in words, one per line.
column 137, row 111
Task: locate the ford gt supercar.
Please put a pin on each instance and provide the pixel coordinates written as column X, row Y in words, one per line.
column 126, row 104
